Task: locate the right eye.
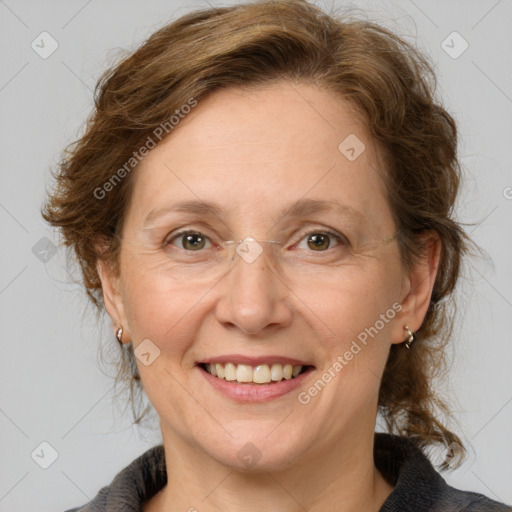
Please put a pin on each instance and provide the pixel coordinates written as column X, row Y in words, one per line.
column 189, row 240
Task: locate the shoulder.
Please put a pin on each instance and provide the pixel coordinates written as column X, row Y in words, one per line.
column 473, row 502
column 418, row 487
column 480, row 503
column 132, row 486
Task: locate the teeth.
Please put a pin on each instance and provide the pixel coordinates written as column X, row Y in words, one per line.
column 261, row 374
column 230, row 371
column 243, row 373
column 277, row 372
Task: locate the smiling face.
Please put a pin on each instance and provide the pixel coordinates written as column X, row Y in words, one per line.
column 253, row 154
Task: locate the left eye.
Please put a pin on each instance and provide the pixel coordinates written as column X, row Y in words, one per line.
column 320, row 241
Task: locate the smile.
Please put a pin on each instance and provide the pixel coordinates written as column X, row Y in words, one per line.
column 247, row 374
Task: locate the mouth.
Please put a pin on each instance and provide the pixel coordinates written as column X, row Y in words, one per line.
column 263, row 374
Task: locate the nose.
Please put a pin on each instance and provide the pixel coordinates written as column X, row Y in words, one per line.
column 253, row 297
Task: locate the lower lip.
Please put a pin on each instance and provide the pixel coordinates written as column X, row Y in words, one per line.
column 255, row 392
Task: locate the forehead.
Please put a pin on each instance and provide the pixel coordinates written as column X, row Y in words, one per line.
column 264, row 124
column 266, row 145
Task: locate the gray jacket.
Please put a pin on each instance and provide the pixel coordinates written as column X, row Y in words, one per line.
column 418, row 486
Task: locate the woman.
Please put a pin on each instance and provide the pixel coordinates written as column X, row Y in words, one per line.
column 262, row 202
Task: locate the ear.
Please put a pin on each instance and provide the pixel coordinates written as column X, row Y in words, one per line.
column 112, row 296
column 418, row 287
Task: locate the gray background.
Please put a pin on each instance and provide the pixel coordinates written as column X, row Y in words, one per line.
column 52, row 387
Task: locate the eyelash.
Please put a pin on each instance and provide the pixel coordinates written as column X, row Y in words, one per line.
column 340, row 239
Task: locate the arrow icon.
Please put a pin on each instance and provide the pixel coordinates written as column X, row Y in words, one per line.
column 249, row 249
column 44, row 455
column 249, row 455
column 44, row 45
column 44, row 250
column 146, row 352
column 454, row 45
column 351, row 147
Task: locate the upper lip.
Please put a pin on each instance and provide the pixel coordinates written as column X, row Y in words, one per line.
column 253, row 361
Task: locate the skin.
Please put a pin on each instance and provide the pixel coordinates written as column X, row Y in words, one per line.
column 256, row 151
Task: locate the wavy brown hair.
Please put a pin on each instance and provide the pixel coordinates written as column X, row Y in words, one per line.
column 386, row 79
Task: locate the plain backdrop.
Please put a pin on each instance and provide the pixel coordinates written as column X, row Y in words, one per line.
column 52, row 387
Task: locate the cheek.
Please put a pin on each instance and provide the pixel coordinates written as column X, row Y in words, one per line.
column 170, row 318
column 355, row 316
column 158, row 309
column 361, row 302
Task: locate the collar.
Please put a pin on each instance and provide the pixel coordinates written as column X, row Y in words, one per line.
column 418, row 487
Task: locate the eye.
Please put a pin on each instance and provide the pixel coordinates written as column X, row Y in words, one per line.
column 320, row 241
column 189, row 240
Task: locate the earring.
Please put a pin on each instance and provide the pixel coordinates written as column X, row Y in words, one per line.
column 119, row 336
column 411, row 337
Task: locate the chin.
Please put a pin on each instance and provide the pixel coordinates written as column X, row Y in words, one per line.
column 253, row 452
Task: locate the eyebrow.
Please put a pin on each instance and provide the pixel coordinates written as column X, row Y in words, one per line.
column 300, row 208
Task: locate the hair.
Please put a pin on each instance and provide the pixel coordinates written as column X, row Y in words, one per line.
column 391, row 85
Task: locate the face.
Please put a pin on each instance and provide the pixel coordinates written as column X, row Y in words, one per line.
column 331, row 297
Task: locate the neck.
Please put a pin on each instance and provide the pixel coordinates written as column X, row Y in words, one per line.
column 343, row 477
